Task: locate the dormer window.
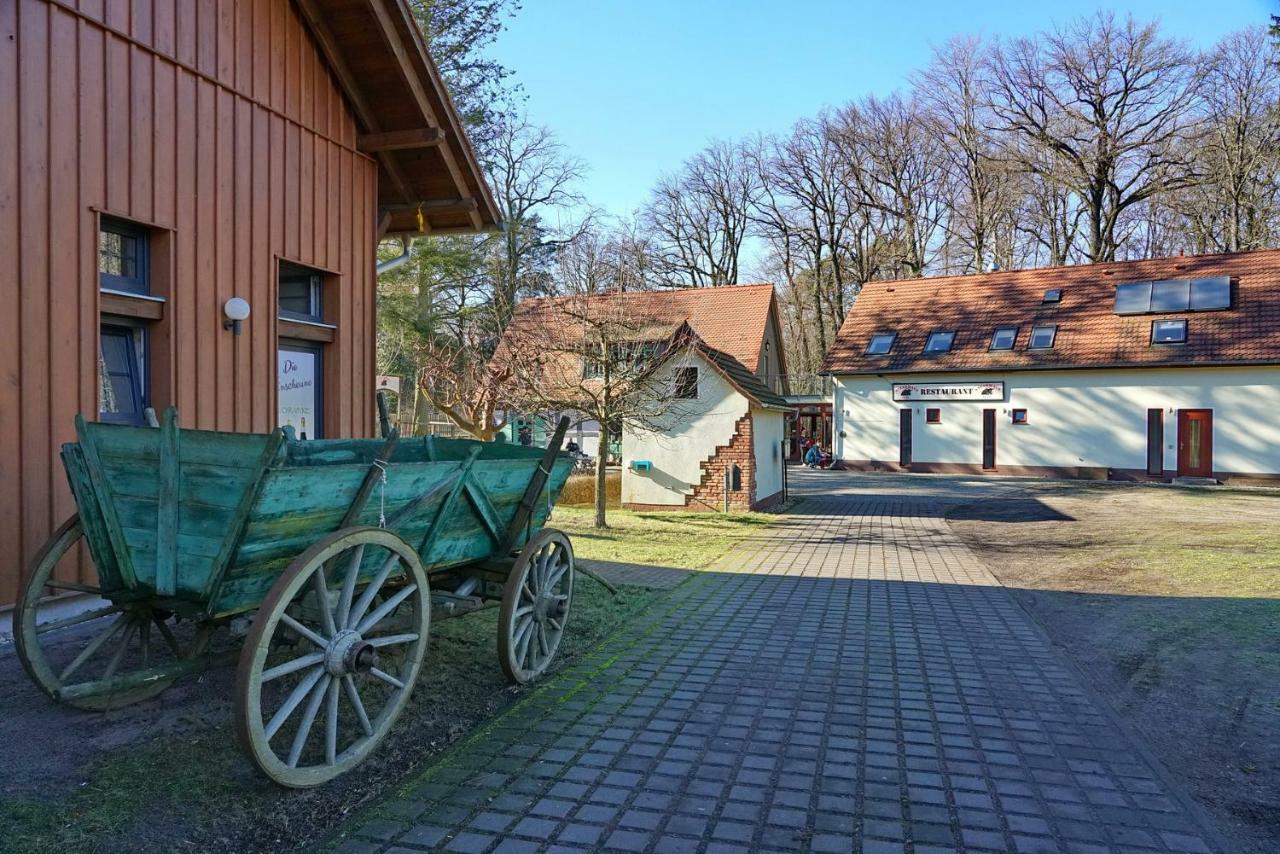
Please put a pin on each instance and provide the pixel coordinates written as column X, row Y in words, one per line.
column 1052, row 295
column 1042, row 337
column 939, row 342
column 881, row 343
column 1004, row 338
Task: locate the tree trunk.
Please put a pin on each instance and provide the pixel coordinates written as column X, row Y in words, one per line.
column 602, row 498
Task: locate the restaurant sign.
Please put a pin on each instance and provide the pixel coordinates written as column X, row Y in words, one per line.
column 948, row 391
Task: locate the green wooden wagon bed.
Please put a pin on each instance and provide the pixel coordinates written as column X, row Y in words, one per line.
column 330, row 557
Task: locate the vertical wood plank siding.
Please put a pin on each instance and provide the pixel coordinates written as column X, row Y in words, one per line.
column 217, row 124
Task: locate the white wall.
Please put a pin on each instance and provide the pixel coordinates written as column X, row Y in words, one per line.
column 686, row 435
column 1075, row 418
column 766, row 435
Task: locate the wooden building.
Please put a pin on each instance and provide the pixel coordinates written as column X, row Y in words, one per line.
column 160, row 158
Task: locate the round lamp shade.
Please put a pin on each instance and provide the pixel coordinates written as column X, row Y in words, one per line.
column 236, row 309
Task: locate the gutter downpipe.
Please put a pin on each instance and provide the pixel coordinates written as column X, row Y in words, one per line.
column 390, row 264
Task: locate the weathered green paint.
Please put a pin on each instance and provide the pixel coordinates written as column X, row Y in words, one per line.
column 166, row 558
column 105, row 506
column 223, row 514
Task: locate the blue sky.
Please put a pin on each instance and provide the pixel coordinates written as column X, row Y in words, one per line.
column 634, row 87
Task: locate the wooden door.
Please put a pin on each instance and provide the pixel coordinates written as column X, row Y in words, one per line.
column 988, row 439
column 904, row 437
column 1195, row 442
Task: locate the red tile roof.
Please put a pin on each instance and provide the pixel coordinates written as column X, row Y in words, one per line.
column 1089, row 332
column 731, row 318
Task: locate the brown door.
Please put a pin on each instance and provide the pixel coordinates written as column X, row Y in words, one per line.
column 904, row 437
column 988, row 439
column 1195, row 442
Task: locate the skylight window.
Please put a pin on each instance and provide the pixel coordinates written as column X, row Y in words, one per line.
column 1004, row 338
column 939, row 342
column 881, row 343
column 1169, row 331
column 1042, row 337
column 1053, row 295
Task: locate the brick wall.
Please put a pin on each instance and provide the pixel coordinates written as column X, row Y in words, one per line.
column 709, row 493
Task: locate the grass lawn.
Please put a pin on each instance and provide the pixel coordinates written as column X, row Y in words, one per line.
column 678, row 539
column 1169, row 600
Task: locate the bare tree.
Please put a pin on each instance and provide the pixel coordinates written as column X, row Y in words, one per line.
column 594, row 355
column 1236, row 206
column 533, row 178
column 954, row 92
column 698, row 218
column 1108, row 103
column 896, row 165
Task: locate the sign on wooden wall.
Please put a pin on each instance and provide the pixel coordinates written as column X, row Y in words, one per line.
column 948, row 391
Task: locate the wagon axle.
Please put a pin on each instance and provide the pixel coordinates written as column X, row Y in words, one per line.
column 349, row 653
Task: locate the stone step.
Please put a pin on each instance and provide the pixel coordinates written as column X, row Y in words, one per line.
column 1194, row 481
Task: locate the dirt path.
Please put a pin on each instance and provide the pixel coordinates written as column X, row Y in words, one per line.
column 1169, row 600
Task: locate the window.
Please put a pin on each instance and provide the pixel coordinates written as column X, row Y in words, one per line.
column 939, row 342
column 686, row 384
column 1019, row 416
column 1155, row 441
column 1042, row 337
column 933, row 416
column 1169, row 331
column 628, row 358
column 301, row 293
column 122, row 374
column 1053, row 295
column 1212, row 294
column 122, row 257
column 881, row 343
column 1004, row 337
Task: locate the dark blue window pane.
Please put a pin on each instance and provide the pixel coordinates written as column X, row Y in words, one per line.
column 122, row 257
column 939, row 342
column 120, row 389
column 1042, row 337
column 1133, row 298
column 1170, row 295
column 1003, row 339
column 1210, row 294
column 881, row 343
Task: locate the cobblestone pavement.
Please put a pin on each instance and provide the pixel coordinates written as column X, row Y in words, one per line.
column 855, row 681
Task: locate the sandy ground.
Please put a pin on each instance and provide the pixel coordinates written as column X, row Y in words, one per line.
column 1169, row 601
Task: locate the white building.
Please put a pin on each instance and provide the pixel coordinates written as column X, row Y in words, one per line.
column 717, row 440
column 1136, row 370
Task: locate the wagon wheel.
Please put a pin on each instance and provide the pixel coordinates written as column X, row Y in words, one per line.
column 535, row 606
column 322, row 640
column 118, row 638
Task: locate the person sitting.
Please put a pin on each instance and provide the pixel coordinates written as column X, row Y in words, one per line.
column 824, row 458
column 812, row 456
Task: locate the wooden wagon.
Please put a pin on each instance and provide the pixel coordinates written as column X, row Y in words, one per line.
column 331, row 557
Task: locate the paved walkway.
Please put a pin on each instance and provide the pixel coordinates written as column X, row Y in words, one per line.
column 853, row 681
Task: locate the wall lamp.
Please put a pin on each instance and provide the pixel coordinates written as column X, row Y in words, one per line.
column 236, row 311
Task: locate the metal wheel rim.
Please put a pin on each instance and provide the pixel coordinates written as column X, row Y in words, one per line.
column 354, row 608
column 535, row 606
column 131, row 621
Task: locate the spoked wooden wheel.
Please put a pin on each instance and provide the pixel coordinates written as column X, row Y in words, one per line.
column 535, row 606
column 90, row 660
column 345, row 627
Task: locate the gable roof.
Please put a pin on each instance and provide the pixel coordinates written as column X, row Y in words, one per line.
column 407, row 120
column 745, row 381
column 1089, row 332
column 730, row 318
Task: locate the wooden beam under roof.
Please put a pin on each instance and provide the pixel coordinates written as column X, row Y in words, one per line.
column 437, row 206
column 333, row 55
column 399, row 140
column 392, row 39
